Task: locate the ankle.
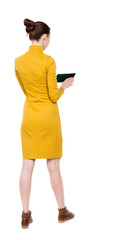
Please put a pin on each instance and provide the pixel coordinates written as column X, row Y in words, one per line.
column 62, row 207
column 26, row 211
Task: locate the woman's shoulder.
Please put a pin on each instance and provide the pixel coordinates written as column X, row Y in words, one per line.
column 17, row 60
column 20, row 58
column 49, row 58
column 50, row 61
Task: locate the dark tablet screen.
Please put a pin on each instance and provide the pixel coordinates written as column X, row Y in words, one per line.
column 63, row 76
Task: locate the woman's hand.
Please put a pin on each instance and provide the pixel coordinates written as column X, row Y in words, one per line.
column 68, row 82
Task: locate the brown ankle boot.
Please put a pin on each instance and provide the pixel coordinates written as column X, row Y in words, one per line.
column 26, row 219
column 64, row 215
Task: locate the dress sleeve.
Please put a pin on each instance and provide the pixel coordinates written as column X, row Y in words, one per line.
column 19, row 79
column 54, row 92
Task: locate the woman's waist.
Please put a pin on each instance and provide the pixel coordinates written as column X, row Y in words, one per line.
column 38, row 100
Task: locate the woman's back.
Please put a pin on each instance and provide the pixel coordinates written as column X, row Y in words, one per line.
column 36, row 74
column 41, row 133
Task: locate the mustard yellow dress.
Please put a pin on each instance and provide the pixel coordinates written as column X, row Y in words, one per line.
column 41, row 133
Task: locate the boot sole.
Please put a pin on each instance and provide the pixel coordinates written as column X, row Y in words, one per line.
column 62, row 221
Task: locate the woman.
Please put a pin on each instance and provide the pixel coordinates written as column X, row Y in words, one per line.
column 41, row 133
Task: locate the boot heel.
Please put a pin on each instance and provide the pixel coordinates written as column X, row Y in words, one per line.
column 60, row 221
column 24, row 226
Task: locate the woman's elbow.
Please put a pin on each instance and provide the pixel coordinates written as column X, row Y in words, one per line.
column 53, row 98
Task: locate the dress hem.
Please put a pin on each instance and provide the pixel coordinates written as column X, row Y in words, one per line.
column 38, row 157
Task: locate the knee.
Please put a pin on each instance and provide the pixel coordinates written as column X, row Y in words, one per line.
column 28, row 165
column 53, row 165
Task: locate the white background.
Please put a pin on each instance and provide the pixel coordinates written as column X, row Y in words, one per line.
column 93, row 39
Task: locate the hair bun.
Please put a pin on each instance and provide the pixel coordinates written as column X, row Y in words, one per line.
column 30, row 25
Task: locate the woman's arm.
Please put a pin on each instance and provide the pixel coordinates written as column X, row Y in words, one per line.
column 54, row 92
column 19, row 79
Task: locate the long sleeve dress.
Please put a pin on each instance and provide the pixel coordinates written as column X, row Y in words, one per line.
column 41, row 133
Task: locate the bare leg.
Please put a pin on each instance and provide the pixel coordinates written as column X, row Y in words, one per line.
column 53, row 166
column 25, row 182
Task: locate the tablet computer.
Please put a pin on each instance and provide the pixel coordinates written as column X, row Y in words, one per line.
column 62, row 76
